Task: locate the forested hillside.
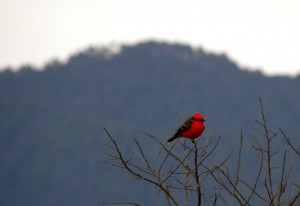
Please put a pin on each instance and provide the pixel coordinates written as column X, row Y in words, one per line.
column 51, row 121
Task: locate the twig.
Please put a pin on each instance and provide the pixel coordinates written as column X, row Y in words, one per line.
column 186, row 184
column 144, row 157
column 126, row 166
column 224, row 186
column 282, row 183
column 268, row 139
column 210, row 152
column 294, row 199
column 175, row 156
column 289, row 142
column 253, row 189
column 199, row 193
column 238, row 170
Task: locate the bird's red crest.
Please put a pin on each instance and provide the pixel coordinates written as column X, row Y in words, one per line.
column 198, row 117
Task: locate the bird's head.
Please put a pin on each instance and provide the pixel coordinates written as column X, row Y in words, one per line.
column 198, row 117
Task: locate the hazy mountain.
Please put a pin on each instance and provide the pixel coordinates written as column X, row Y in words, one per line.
column 51, row 121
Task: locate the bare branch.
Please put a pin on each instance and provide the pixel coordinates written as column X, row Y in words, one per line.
column 199, row 193
column 137, row 175
column 186, row 179
column 238, row 170
column 210, row 152
column 178, row 166
column 282, row 183
column 268, row 139
column 175, row 156
column 144, row 157
column 289, row 142
column 295, row 199
column 253, row 189
column 253, row 192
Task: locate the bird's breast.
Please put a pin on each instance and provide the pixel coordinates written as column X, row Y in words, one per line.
column 194, row 131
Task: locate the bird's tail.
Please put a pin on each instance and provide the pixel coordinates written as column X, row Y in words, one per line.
column 172, row 138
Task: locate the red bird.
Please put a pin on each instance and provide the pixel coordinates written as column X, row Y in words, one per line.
column 191, row 128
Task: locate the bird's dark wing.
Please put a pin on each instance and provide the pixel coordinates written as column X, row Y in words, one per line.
column 186, row 125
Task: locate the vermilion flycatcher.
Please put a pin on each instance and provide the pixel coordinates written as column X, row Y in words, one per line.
column 191, row 128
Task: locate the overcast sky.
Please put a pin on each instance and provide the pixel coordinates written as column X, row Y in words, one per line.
column 255, row 33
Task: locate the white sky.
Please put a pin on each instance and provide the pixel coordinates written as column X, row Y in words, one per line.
column 255, row 33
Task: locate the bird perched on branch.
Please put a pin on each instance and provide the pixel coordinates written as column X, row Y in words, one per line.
column 191, row 128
